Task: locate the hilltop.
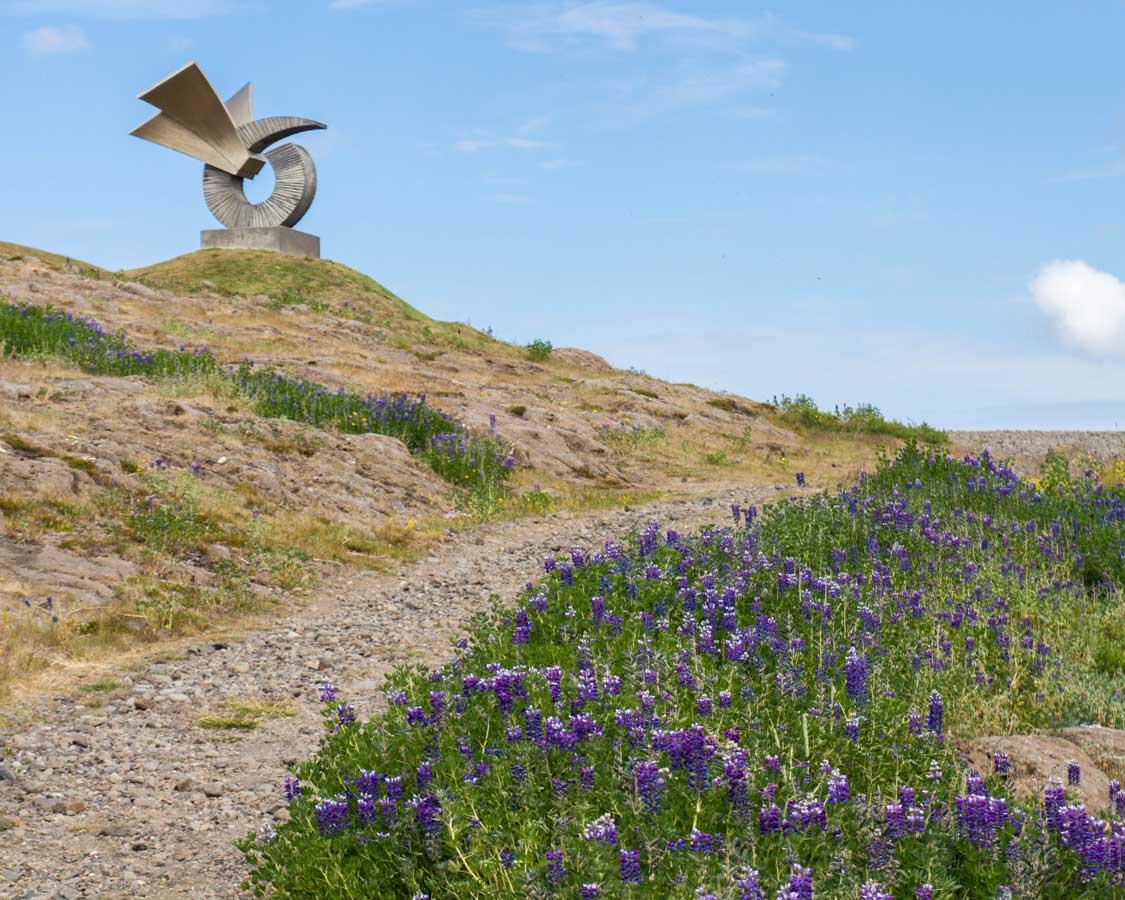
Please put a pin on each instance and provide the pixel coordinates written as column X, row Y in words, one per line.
column 136, row 508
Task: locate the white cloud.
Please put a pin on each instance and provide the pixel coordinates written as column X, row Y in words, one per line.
column 624, row 25
column 691, row 86
column 1086, row 307
column 120, row 9
column 52, row 40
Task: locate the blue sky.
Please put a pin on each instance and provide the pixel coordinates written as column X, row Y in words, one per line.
column 916, row 205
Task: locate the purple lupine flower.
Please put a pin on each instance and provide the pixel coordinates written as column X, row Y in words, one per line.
column 1073, row 773
column 749, row 886
column 980, row 817
column 800, row 479
column 769, row 819
column 327, row 692
column 872, row 890
column 800, row 885
column 556, row 868
column 924, row 892
column 292, row 788
column 603, row 830
column 590, row 891
column 838, row 791
column 649, row 785
column 935, row 720
column 345, row 714
column 507, row 858
column 1001, row 765
column 914, row 722
column 332, row 815
column 851, row 728
column 368, row 783
column 427, row 813
column 630, row 866
column 855, row 676
column 1054, row 796
column 424, row 775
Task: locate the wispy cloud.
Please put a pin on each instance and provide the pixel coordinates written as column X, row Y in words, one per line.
column 476, row 145
column 120, row 9
column 554, row 165
column 1086, row 306
column 55, row 40
column 693, row 85
column 624, row 26
column 508, row 199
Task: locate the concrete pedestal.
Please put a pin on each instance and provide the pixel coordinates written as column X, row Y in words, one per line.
column 278, row 239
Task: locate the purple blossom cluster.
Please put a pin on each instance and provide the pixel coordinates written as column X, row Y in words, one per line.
column 649, row 712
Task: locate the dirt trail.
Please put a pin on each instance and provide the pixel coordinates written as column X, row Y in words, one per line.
column 132, row 799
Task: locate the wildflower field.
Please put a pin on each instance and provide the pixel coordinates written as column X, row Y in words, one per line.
column 766, row 710
column 477, row 464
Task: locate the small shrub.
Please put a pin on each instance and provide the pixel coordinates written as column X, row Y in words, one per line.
column 864, row 418
column 538, row 350
column 645, row 392
column 717, row 458
column 632, row 437
column 518, row 410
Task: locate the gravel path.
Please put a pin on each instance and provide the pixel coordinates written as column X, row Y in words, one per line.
column 132, row 799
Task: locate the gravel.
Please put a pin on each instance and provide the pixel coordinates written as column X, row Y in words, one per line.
column 132, row 799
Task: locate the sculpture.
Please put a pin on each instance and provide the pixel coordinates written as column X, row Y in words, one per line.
column 230, row 142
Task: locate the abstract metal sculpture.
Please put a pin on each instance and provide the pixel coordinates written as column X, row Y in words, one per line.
column 230, row 142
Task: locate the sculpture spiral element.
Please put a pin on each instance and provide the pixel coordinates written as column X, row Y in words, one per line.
column 294, row 174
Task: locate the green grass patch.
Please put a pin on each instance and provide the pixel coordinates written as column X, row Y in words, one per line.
column 865, row 418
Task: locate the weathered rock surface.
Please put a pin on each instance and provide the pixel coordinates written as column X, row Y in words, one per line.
column 1038, row 757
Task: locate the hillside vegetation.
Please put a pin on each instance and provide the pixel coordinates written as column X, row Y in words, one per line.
column 214, row 434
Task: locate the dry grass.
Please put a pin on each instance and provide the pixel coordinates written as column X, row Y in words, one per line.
column 246, row 713
column 379, row 548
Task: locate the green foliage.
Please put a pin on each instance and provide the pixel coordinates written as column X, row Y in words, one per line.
column 43, row 331
column 968, row 589
column 168, row 518
column 1054, row 472
column 864, row 418
column 717, row 458
column 538, row 350
column 628, row 438
column 478, row 465
column 291, row 296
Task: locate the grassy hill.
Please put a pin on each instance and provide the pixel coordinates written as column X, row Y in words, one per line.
column 153, row 487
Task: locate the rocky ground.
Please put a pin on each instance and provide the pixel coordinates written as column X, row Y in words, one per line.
column 122, row 794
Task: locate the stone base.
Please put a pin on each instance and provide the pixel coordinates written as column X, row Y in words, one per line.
column 278, row 239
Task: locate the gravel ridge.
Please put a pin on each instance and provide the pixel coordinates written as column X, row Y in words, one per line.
column 132, row 799
column 1028, row 448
